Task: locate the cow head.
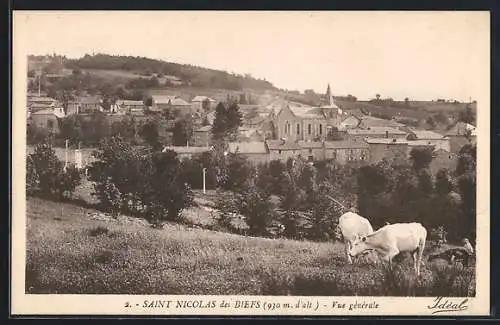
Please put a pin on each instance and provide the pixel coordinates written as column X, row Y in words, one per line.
column 358, row 246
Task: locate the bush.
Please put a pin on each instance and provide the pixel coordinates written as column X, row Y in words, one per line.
column 257, row 209
column 46, row 173
column 127, row 174
column 31, row 176
column 227, row 205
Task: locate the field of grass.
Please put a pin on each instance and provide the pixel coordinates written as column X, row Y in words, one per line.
column 69, row 250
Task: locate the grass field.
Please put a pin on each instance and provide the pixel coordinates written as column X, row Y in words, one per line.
column 70, row 251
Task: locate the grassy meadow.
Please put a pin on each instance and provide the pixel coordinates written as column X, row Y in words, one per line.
column 76, row 250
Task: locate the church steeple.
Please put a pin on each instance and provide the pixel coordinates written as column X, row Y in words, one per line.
column 329, row 95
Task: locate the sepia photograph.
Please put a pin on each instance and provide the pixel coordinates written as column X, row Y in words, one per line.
column 330, row 159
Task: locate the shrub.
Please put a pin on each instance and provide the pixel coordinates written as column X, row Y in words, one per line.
column 257, row 209
column 46, row 173
column 31, row 176
column 99, row 230
column 227, row 205
column 67, row 181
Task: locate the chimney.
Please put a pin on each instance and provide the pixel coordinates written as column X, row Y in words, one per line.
column 386, row 134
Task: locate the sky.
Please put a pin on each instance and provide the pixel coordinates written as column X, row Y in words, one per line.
column 419, row 55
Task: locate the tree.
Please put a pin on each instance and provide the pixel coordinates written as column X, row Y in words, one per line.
column 421, row 158
column 149, row 132
column 431, row 122
column 227, row 121
column 182, row 132
column 324, row 213
column 205, row 105
column 257, row 209
column 49, row 174
column 467, row 115
column 239, row 173
column 442, row 183
column 291, row 203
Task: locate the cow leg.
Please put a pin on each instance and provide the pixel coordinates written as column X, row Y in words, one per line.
column 347, row 247
column 389, row 256
column 414, row 255
column 420, row 252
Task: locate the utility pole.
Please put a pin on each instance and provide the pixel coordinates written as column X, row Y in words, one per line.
column 39, row 80
column 66, row 155
column 204, row 183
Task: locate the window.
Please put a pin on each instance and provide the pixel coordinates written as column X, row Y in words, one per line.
column 310, row 150
column 50, row 124
column 279, row 151
column 320, row 129
column 298, row 129
column 309, row 129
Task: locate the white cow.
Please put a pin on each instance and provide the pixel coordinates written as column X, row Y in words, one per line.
column 393, row 239
column 353, row 226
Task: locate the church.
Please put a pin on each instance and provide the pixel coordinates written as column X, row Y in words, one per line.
column 298, row 122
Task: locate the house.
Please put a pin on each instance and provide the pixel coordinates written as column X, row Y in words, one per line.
column 375, row 132
column 130, row 106
column 72, row 107
column 246, row 134
column 390, row 149
column 282, row 150
column 89, row 104
column 438, row 140
column 347, row 151
column 198, row 103
column 173, row 104
column 38, row 103
column 461, row 134
column 255, row 151
column 47, row 119
column 187, row 152
column 202, row 136
column 311, row 150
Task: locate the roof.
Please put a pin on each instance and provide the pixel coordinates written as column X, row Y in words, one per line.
column 205, row 128
column 187, row 150
column 49, row 112
column 40, row 105
column 177, row 101
column 375, row 121
column 310, row 144
column 282, row 145
column 460, row 127
column 132, row 103
column 424, row 134
column 306, row 111
column 420, row 143
column 43, row 112
column 375, row 130
column 162, row 99
column 202, row 98
column 40, row 99
column 171, row 100
column 89, row 100
column 386, row 141
column 346, row 144
column 252, row 147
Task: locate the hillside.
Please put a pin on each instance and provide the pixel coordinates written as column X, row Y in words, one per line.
column 188, row 74
column 76, row 250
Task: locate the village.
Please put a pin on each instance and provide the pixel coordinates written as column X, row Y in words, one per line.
column 278, row 129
